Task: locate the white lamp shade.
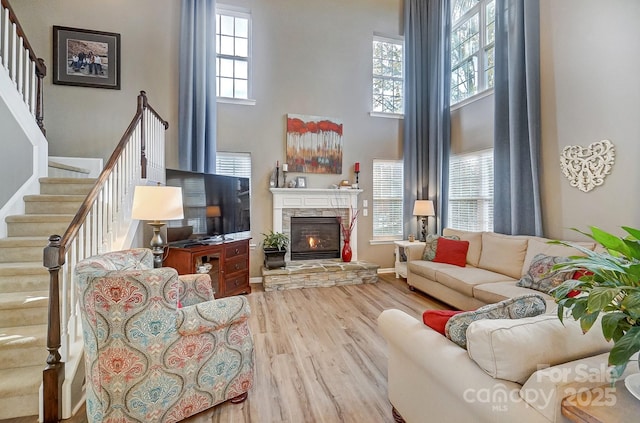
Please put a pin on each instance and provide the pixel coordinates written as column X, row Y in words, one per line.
column 157, row 203
column 423, row 208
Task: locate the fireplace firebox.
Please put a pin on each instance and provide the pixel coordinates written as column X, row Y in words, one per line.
column 314, row 237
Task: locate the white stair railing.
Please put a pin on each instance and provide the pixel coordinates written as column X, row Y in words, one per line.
column 19, row 60
column 100, row 225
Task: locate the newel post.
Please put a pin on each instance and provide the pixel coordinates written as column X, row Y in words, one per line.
column 53, row 374
column 142, row 106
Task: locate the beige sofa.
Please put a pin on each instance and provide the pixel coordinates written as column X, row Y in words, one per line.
column 513, row 371
column 495, row 263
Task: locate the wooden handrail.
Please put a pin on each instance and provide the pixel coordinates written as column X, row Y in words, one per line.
column 40, row 67
column 55, row 254
column 85, row 207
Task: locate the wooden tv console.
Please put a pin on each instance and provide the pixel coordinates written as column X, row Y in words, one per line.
column 229, row 261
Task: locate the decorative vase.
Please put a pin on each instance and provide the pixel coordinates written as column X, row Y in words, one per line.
column 346, row 251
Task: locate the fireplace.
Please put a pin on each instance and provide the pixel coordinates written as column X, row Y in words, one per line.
column 314, row 237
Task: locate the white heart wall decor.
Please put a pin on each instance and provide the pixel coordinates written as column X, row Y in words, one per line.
column 586, row 167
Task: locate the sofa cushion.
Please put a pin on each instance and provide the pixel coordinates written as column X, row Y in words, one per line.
column 452, row 252
column 537, row 246
column 463, row 279
column 437, row 319
column 426, row 269
column 495, row 292
column 515, row 349
column 541, row 275
column 512, row 308
column 431, row 246
column 475, row 243
column 503, row 253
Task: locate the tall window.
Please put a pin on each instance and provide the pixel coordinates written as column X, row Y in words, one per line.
column 233, row 164
column 471, row 191
column 233, row 53
column 472, row 47
column 388, row 76
column 387, row 199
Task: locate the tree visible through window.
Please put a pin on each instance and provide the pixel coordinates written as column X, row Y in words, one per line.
column 388, row 77
column 387, row 199
column 232, row 53
column 472, row 47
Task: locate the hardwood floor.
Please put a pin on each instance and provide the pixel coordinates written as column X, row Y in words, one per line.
column 319, row 356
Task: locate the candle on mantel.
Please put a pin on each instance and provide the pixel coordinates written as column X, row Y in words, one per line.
column 357, row 167
column 285, row 167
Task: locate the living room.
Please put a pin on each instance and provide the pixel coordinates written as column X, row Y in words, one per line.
column 314, row 58
column 317, row 61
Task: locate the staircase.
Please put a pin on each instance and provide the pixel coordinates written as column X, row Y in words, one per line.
column 24, row 290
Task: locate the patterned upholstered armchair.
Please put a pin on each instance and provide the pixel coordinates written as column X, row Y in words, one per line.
column 158, row 347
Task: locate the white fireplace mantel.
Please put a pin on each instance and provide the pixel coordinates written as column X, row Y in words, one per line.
column 311, row 198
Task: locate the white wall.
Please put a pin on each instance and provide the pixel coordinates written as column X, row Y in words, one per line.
column 590, row 88
column 88, row 122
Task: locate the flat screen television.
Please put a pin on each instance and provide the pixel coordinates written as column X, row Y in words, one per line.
column 215, row 206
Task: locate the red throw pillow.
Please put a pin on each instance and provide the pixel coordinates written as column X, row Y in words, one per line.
column 452, row 251
column 437, row 319
column 577, row 275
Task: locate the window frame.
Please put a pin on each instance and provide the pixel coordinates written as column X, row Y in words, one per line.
column 236, row 12
column 399, row 41
column 482, row 87
column 399, row 198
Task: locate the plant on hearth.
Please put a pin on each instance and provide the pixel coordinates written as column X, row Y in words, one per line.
column 274, row 247
column 276, row 240
column 608, row 284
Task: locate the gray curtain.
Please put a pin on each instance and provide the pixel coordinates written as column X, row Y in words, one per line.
column 517, row 205
column 427, row 120
column 197, row 104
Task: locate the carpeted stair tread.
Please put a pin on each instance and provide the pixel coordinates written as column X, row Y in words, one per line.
column 21, row 381
column 23, row 337
column 23, row 268
column 87, row 181
column 24, row 241
column 39, row 218
column 55, row 198
column 22, row 300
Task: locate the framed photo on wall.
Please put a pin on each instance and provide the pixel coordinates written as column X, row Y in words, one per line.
column 301, row 182
column 86, row 58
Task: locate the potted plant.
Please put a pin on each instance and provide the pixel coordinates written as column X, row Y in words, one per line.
column 609, row 285
column 274, row 246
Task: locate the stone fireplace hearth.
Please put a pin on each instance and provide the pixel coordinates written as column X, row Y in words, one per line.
column 294, row 203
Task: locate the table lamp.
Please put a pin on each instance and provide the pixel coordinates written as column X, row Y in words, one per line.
column 423, row 209
column 213, row 213
column 157, row 204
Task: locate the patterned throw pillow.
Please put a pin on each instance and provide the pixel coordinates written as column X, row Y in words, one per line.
column 541, row 275
column 528, row 305
column 431, row 246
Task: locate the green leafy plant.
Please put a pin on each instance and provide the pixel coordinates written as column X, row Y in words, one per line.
column 611, row 287
column 276, row 240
